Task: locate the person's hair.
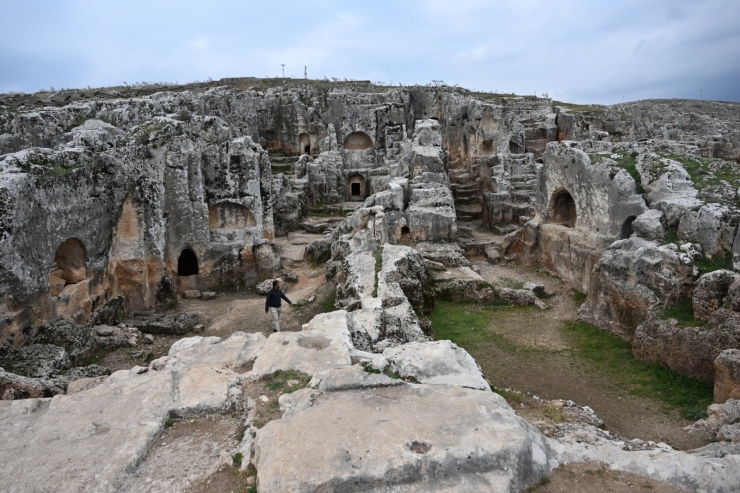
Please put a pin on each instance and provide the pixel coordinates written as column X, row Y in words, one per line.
column 275, row 283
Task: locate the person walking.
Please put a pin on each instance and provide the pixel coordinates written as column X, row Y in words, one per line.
column 273, row 302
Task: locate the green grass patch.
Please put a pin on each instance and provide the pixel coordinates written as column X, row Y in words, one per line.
column 718, row 262
column 707, row 173
column 76, row 124
column 578, row 296
column 378, row 254
column 511, row 283
column 599, row 353
column 628, row 162
column 683, row 313
column 671, row 236
column 368, row 367
column 237, row 459
column 280, row 381
column 614, row 356
column 326, row 305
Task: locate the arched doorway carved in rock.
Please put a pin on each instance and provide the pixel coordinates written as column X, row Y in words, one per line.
column 626, row 230
column 304, row 143
column 187, row 263
column 70, row 265
column 357, row 141
column 563, row 208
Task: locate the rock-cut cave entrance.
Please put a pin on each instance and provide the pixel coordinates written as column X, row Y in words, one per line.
column 563, row 209
column 69, row 265
column 304, row 143
column 187, row 263
column 626, row 231
column 356, row 187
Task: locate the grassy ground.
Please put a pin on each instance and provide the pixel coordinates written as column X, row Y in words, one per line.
column 587, row 353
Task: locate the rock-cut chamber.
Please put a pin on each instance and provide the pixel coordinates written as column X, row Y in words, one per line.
column 563, row 209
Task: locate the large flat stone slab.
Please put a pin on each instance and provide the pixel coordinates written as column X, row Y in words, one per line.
column 323, row 344
column 405, row 438
column 93, row 440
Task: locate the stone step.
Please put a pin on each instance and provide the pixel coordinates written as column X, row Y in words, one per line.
column 282, row 168
column 477, row 246
column 521, row 197
column 504, row 229
column 462, row 178
column 474, row 211
column 523, row 178
column 467, row 188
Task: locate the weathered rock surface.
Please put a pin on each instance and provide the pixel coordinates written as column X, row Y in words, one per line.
column 154, row 323
column 92, row 440
column 649, row 225
column 727, row 375
column 401, row 437
column 14, row 387
column 690, row 351
column 438, row 363
column 629, row 278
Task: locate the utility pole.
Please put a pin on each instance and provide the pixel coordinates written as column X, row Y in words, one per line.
column 305, row 72
column 283, row 69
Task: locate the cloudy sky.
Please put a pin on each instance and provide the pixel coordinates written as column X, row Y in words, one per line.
column 575, row 50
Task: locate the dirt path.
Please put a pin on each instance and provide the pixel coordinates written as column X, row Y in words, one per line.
column 243, row 311
column 530, row 352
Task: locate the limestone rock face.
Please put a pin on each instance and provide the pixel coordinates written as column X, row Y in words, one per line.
column 14, row 387
column 160, row 193
column 649, row 225
column 713, row 226
column 592, row 196
column 629, row 278
column 727, row 375
column 93, row 440
column 690, row 351
column 711, row 291
column 408, row 441
column 440, row 362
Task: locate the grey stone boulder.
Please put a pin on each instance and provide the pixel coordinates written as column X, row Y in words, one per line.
column 710, row 292
column 713, row 226
column 402, row 438
column 318, row 251
column 649, row 225
column 727, row 375
column 108, row 337
column 265, row 286
column 191, row 294
column 80, row 373
column 690, row 351
column 324, row 343
column 439, row 362
column 155, row 323
column 14, row 387
column 36, row 360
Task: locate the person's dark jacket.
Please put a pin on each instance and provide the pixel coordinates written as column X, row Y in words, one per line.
column 273, row 299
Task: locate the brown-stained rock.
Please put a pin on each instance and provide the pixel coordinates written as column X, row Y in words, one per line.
column 191, row 294
column 727, row 375
column 14, row 387
column 690, row 351
column 630, row 277
column 56, row 283
column 85, row 384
